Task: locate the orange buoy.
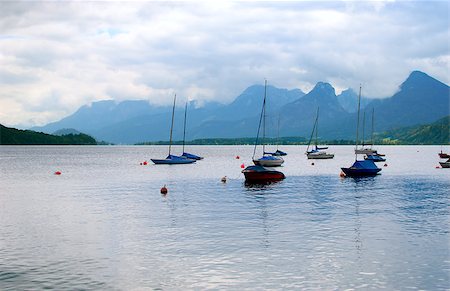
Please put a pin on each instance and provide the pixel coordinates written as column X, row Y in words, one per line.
column 57, row 173
column 145, row 163
column 224, row 179
column 242, row 166
column 342, row 174
column 164, row 190
column 238, row 157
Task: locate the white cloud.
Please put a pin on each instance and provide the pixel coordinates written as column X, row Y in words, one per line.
column 57, row 56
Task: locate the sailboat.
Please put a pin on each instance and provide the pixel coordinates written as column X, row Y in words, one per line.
column 372, row 154
column 361, row 168
column 267, row 159
column 185, row 154
column 278, row 152
column 172, row 159
column 317, row 152
column 258, row 173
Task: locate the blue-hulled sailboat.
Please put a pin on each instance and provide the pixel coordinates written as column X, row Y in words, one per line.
column 185, row 154
column 172, row 159
column 362, row 168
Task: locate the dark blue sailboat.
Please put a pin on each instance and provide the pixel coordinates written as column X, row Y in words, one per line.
column 172, row 159
column 362, row 168
column 185, row 154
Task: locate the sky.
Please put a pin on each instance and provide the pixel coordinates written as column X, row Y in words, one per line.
column 56, row 56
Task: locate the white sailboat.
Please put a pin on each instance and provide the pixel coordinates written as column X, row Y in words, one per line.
column 317, row 152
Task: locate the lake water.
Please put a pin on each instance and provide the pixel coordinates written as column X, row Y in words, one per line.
column 103, row 224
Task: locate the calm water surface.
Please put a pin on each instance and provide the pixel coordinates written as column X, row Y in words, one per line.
column 103, row 225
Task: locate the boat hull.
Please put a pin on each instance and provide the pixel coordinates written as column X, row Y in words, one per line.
column 375, row 158
column 173, row 160
column 268, row 163
column 365, row 152
column 355, row 172
column 191, row 156
column 319, row 156
column 259, row 174
column 445, row 164
column 364, row 168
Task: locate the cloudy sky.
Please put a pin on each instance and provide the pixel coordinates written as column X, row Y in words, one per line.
column 56, row 56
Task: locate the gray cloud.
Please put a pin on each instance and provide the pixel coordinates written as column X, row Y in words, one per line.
column 79, row 52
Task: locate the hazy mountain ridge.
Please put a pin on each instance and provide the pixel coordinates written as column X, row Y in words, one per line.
column 420, row 99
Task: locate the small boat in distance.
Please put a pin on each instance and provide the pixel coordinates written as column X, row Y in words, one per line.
column 368, row 150
column 364, row 168
column 267, row 159
column 171, row 159
column 185, row 154
column 375, row 157
column 279, row 153
column 443, row 155
column 317, row 152
column 445, row 164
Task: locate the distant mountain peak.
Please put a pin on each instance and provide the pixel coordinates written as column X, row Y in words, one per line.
column 418, row 79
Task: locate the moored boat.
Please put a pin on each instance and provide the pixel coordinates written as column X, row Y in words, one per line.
column 259, row 174
column 445, row 164
column 443, row 155
column 361, row 168
column 317, row 152
column 185, row 154
column 375, row 157
column 267, row 160
column 172, row 159
column 317, row 155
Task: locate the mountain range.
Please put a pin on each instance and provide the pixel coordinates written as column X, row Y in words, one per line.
column 420, row 99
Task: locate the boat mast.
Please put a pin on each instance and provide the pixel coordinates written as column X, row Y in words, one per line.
column 278, row 133
column 357, row 124
column 264, row 118
column 312, row 132
column 317, row 124
column 373, row 114
column 171, row 127
column 259, row 125
column 184, row 130
column 364, row 127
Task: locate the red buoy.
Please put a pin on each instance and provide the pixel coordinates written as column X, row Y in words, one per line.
column 437, row 167
column 242, row 166
column 145, row 163
column 342, row 174
column 164, row 190
column 238, row 157
column 57, row 173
